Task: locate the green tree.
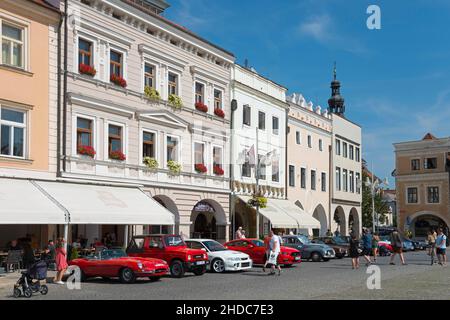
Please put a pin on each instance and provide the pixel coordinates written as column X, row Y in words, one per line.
column 381, row 208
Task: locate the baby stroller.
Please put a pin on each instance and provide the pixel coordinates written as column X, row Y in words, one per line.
column 30, row 281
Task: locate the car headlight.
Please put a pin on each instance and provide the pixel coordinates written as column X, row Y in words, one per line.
column 140, row 266
column 189, row 257
column 205, row 256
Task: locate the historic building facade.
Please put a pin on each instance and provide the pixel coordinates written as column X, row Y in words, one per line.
column 308, row 161
column 422, row 184
column 148, row 105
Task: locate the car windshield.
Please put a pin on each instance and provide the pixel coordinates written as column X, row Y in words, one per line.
column 112, row 254
column 214, row 246
column 174, row 241
column 258, row 243
column 304, row 239
column 339, row 240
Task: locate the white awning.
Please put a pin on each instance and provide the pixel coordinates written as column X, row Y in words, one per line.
column 96, row 204
column 278, row 218
column 21, row 202
column 305, row 221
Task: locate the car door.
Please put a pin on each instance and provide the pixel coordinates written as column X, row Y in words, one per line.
column 155, row 247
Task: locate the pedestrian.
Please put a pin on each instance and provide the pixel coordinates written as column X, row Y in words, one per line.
column 329, row 233
column 366, row 240
column 354, row 251
column 14, row 246
column 375, row 240
column 50, row 254
column 238, row 234
column 61, row 260
column 275, row 247
column 431, row 240
column 267, row 247
column 243, row 234
column 441, row 246
column 397, row 246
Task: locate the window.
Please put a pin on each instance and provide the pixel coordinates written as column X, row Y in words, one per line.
column 85, row 52
column 172, row 148
column 412, row 195
column 415, row 164
column 246, row 117
column 430, row 163
column 12, row 45
column 345, row 180
column 115, row 63
column 149, row 76
column 275, row 170
column 352, row 181
column 357, row 155
column 303, row 178
column 173, row 83
column 338, row 147
column 344, row 149
column 320, row 145
column 358, row 183
column 323, row 181
column 298, row 137
column 291, row 176
column 313, row 179
column 338, row 178
column 12, row 132
column 261, row 120
column 148, row 144
column 199, row 153
column 199, row 92
column 351, row 152
column 84, row 132
column 114, row 138
column 217, row 99
column 246, row 169
column 309, row 142
column 433, row 194
column 217, row 157
column 262, row 169
column 275, row 125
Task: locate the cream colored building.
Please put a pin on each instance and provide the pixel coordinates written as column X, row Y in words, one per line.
column 308, row 160
column 422, row 184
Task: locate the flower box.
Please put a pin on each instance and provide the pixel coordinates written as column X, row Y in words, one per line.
column 151, row 163
column 174, row 167
column 219, row 112
column 118, row 80
column 200, row 106
column 86, row 151
column 151, row 93
column 200, row 168
column 218, row 171
column 87, row 69
column 175, row 101
column 117, row 155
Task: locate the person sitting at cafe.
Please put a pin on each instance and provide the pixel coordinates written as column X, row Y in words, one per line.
column 97, row 243
column 14, row 245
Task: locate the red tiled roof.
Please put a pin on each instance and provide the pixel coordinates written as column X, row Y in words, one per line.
column 44, row 3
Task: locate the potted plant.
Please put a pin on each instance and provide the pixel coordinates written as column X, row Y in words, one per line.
column 151, row 93
column 200, row 106
column 175, row 101
column 200, row 168
column 86, row 151
column 151, row 163
column 117, row 155
column 259, row 201
column 219, row 112
column 174, row 167
column 87, row 69
column 118, row 80
column 218, row 171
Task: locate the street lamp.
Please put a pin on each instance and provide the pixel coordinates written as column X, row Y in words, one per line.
column 375, row 187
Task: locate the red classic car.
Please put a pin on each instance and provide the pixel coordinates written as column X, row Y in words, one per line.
column 173, row 250
column 256, row 250
column 115, row 263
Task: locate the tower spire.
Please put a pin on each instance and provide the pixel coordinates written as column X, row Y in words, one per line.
column 336, row 102
column 334, row 70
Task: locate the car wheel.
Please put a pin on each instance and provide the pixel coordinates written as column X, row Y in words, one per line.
column 199, row 271
column 44, row 290
column 127, row 275
column 326, row 259
column 17, row 292
column 218, row 265
column 316, row 257
column 177, row 269
column 27, row 293
column 154, row 279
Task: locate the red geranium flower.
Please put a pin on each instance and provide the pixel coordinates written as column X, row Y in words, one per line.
column 200, row 106
column 117, row 155
column 201, row 168
column 218, row 170
column 219, row 112
column 87, row 151
column 87, row 69
column 118, row 80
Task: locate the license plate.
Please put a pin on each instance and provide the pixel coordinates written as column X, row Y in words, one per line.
column 297, row 258
column 200, row 262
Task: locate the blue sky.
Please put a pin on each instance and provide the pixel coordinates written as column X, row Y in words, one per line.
column 395, row 80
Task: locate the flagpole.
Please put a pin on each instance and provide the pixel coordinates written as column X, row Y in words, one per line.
column 257, row 184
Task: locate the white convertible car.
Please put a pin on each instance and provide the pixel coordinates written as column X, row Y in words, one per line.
column 220, row 258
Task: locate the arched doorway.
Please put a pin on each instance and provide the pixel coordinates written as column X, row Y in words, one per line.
column 170, row 205
column 425, row 222
column 208, row 220
column 319, row 214
column 339, row 220
column 353, row 222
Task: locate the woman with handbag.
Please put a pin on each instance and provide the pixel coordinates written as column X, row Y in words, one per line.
column 397, row 246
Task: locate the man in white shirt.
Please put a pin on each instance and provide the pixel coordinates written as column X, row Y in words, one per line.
column 275, row 248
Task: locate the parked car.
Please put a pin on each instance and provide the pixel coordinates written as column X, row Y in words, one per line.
column 220, row 258
column 173, row 250
column 420, row 244
column 256, row 250
column 314, row 251
column 408, row 245
column 116, row 264
column 339, row 246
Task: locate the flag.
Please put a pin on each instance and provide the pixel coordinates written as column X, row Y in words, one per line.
column 251, row 156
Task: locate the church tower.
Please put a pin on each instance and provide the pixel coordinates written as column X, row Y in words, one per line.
column 336, row 102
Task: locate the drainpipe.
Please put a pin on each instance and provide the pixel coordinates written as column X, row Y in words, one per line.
column 58, row 99
column 286, row 126
column 65, row 87
column 330, row 178
column 232, row 195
